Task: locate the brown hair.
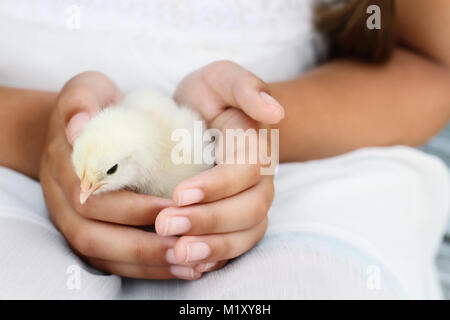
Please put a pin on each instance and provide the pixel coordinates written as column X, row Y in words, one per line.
column 343, row 23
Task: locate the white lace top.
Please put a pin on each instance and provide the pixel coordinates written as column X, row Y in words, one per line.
column 151, row 42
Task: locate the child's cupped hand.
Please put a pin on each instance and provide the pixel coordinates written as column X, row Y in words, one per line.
column 102, row 231
column 221, row 213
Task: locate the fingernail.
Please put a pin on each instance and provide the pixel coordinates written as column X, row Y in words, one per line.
column 203, row 267
column 190, row 196
column 176, row 225
column 184, row 272
column 279, row 110
column 197, row 251
column 75, row 125
column 170, row 256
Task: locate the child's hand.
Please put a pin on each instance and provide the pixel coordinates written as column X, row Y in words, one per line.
column 100, row 229
column 222, row 212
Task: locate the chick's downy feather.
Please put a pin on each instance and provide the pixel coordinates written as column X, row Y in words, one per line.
column 129, row 146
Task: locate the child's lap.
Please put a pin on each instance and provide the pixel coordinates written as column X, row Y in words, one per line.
column 366, row 224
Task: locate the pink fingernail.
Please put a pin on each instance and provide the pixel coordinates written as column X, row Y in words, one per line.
column 75, row 126
column 176, row 225
column 276, row 106
column 190, row 196
column 184, row 272
column 170, row 256
column 203, row 267
column 197, row 251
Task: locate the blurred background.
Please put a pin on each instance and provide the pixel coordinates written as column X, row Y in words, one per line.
column 440, row 146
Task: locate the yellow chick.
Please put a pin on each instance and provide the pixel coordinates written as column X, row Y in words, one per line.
column 130, row 146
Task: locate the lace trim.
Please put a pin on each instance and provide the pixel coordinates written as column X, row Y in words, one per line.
column 190, row 19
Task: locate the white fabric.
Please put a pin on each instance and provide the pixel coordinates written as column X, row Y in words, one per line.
column 362, row 225
column 162, row 42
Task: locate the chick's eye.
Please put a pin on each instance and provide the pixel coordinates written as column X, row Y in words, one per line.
column 112, row 169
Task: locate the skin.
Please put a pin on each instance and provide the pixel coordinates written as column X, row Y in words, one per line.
column 406, row 101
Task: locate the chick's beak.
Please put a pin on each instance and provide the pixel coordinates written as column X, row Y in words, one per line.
column 86, row 189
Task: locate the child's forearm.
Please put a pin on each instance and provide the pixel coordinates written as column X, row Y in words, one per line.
column 24, row 116
column 344, row 105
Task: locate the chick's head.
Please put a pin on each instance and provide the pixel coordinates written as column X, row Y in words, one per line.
column 106, row 154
